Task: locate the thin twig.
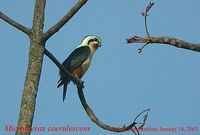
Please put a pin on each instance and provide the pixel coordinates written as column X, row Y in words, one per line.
column 15, row 24
column 64, row 20
column 141, row 48
column 144, row 120
column 146, row 28
column 138, row 133
column 147, row 110
column 142, row 124
column 145, row 14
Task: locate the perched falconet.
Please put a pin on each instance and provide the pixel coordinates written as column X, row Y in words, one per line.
column 79, row 60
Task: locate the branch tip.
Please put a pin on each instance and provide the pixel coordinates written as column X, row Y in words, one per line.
column 15, row 24
column 141, row 48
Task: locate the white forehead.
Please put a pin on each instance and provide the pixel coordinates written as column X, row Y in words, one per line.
column 87, row 38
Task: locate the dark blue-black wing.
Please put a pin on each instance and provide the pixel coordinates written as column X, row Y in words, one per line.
column 74, row 60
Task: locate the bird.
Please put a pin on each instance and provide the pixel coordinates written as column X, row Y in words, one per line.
column 79, row 60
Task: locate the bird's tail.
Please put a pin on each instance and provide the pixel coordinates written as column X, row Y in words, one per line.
column 60, row 82
column 64, row 91
column 64, row 83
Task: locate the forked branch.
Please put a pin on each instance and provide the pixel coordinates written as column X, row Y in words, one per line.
column 161, row 40
column 64, row 20
column 15, row 24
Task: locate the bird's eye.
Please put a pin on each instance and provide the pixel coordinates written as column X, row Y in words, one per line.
column 95, row 39
column 91, row 40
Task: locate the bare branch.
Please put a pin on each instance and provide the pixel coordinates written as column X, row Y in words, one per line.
column 15, row 24
column 161, row 40
column 88, row 110
column 166, row 40
column 64, row 20
column 96, row 120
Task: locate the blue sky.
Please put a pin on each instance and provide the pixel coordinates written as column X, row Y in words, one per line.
column 120, row 82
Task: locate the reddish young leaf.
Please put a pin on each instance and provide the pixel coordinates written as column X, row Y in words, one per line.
column 143, row 14
column 149, row 7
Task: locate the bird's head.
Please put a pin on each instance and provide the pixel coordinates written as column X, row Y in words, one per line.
column 92, row 41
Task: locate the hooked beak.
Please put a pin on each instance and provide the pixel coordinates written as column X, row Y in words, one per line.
column 99, row 44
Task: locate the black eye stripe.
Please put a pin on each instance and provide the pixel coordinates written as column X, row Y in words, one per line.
column 92, row 40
